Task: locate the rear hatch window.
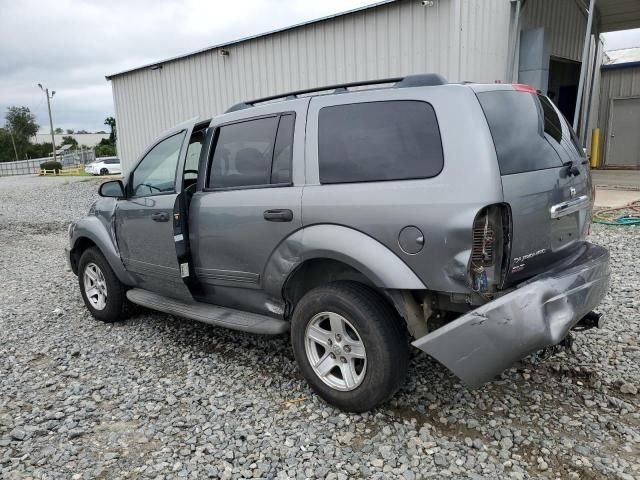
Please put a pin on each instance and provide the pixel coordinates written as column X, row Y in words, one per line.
column 527, row 131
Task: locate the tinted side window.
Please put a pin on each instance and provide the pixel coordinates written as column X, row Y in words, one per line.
column 156, row 173
column 521, row 131
column 563, row 138
column 283, row 150
column 243, row 154
column 366, row 142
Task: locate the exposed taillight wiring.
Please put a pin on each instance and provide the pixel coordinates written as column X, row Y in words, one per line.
column 489, row 250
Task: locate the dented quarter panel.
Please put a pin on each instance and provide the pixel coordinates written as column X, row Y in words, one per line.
column 374, row 260
column 539, row 313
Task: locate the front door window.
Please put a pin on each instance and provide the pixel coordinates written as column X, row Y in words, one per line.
column 156, row 173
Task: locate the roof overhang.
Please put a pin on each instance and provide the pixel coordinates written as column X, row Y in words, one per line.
column 618, row 14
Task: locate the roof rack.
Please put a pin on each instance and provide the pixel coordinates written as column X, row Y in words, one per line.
column 420, row 80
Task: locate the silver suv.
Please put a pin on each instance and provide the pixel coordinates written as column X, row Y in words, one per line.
column 451, row 217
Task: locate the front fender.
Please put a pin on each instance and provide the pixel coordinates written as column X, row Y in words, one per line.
column 352, row 247
column 100, row 233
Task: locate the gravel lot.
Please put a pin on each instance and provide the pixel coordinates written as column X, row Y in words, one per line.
column 161, row 397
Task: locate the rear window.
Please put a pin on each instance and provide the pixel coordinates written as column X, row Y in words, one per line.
column 528, row 132
column 376, row 141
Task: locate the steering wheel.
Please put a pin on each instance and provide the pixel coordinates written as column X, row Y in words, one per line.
column 150, row 187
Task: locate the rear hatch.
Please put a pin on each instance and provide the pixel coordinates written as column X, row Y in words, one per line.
column 545, row 178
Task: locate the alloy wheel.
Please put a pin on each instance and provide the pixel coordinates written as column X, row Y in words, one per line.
column 335, row 351
column 95, row 286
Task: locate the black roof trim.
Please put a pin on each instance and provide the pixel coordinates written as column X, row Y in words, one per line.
column 617, row 66
column 419, row 80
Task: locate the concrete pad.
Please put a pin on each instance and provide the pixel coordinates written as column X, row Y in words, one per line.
column 622, row 179
column 615, row 197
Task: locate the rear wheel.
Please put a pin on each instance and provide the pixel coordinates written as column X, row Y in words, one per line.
column 103, row 294
column 350, row 345
column 104, row 171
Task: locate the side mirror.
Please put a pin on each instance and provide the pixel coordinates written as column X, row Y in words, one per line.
column 112, row 188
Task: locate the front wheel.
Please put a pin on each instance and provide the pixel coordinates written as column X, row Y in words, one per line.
column 103, row 294
column 350, row 345
column 104, row 171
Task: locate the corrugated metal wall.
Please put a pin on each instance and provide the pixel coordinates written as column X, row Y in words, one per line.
column 614, row 83
column 462, row 39
column 565, row 21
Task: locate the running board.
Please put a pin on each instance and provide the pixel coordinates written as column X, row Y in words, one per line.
column 211, row 314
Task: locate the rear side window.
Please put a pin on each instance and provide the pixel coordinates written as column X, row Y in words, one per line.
column 253, row 152
column 563, row 138
column 376, row 141
column 527, row 132
column 283, row 150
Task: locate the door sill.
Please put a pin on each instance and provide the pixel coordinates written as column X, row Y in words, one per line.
column 211, row 314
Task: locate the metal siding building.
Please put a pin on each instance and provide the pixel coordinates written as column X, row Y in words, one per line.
column 620, row 95
column 461, row 39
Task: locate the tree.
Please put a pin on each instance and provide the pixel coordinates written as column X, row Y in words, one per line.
column 112, row 125
column 6, row 146
column 80, row 132
column 59, row 131
column 70, row 131
column 21, row 126
column 105, row 150
column 39, row 150
column 69, row 141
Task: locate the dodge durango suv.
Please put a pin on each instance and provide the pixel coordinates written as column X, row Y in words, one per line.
column 407, row 211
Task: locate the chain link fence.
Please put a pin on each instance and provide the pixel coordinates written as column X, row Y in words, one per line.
column 31, row 166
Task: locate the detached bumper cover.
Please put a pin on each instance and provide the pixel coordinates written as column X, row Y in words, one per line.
column 539, row 313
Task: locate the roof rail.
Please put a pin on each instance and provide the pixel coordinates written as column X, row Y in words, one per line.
column 420, row 80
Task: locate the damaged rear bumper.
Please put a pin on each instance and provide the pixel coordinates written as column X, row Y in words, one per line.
column 539, row 313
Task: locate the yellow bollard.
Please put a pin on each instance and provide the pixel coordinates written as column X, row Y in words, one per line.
column 595, row 147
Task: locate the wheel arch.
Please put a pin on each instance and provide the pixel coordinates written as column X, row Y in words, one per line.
column 382, row 267
column 91, row 232
column 322, row 254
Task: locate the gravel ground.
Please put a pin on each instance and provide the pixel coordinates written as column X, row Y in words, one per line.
column 161, row 397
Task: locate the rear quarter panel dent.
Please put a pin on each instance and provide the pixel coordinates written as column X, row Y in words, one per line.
column 374, row 260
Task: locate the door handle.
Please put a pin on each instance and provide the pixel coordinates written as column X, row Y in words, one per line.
column 160, row 217
column 278, row 215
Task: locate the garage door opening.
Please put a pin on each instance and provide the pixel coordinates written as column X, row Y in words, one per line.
column 564, row 76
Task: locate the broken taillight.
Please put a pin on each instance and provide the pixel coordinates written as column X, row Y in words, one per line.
column 490, row 248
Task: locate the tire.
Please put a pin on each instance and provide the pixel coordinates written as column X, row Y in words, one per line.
column 114, row 305
column 104, row 171
column 364, row 316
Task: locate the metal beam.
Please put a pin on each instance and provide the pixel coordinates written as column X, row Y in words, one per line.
column 584, row 67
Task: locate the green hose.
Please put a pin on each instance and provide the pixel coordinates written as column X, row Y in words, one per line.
column 627, row 215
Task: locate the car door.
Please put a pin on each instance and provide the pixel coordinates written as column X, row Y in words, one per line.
column 249, row 201
column 144, row 220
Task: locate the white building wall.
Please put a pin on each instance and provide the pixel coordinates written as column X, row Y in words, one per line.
column 87, row 139
column 461, row 39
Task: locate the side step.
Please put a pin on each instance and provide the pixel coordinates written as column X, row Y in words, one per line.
column 211, row 314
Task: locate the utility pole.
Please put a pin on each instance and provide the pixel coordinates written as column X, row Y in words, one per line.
column 15, row 150
column 53, row 138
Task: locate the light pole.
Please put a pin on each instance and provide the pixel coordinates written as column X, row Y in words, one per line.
column 53, row 139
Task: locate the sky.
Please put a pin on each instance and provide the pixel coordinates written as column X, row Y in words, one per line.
column 70, row 45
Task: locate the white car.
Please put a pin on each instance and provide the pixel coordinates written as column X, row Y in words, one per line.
column 104, row 166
